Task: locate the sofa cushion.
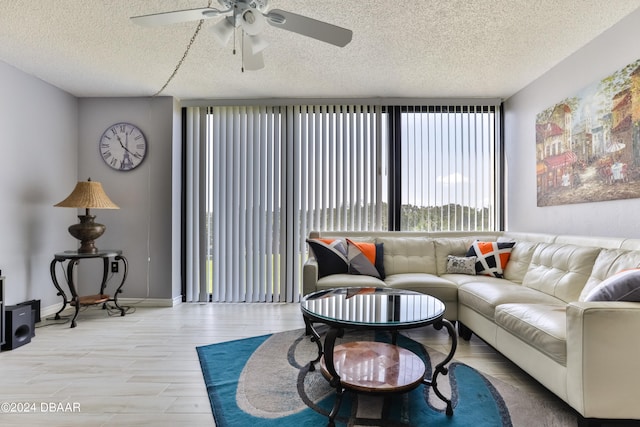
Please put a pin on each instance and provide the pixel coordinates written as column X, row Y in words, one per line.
column 347, row 281
column 519, row 260
column 461, row 279
column 483, row 296
column 492, row 257
column 408, row 255
column 623, row 286
column 331, row 255
column 608, row 263
column 445, row 246
column 365, row 258
column 542, row 326
column 439, row 287
column 560, row 270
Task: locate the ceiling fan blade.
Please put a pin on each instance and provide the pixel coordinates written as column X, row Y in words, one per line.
column 164, row 18
column 309, row 27
column 251, row 61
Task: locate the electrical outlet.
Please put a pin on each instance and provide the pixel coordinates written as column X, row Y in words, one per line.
column 114, row 266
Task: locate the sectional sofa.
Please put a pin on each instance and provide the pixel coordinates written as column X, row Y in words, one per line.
column 558, row 308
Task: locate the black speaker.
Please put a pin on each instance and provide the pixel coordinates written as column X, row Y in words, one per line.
column 18, row 326
column 35, row 306
column 35, row 313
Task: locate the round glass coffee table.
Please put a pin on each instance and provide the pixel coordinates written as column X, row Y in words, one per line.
column 393, row 369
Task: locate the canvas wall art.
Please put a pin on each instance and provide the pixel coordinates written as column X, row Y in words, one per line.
column 588, row 145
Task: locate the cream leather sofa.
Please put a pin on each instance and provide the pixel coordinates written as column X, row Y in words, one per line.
column 587, row 353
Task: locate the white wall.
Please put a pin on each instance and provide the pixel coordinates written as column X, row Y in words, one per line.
column 39, row 140
column 143, row 226
column 611, row 51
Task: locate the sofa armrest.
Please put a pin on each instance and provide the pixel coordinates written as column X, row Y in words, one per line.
column 309, row 276
column 603, row 345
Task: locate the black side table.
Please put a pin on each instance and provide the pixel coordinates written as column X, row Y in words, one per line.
column 73, row 257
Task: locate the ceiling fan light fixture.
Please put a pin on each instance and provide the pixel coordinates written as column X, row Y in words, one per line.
column 250, row 16
column 252, row 21
column 222, row 31
column 257, row 43
column 251, row 61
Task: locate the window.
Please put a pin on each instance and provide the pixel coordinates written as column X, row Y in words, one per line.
column 445, row 180
column 260, row 178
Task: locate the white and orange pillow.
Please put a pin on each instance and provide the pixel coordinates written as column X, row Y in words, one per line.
column 492, row 257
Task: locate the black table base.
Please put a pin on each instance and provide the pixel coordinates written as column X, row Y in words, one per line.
column 73, row 258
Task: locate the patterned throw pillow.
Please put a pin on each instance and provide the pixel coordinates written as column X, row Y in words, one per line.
column 492, row 257
column 365, row 258
column 331, row 255
column 461, row 265
column 622, row 286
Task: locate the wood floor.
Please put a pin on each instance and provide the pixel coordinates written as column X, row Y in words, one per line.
column 143, row 370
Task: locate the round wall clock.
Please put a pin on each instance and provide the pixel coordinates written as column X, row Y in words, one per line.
column 123, row 146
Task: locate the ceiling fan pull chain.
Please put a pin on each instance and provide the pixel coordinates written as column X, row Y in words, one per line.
column 234, row 28
column 242, row 60
column 184, row 56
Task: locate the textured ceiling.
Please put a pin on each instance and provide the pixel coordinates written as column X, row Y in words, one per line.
column 427, row 48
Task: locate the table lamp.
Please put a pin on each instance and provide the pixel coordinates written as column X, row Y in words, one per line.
column 89, row 195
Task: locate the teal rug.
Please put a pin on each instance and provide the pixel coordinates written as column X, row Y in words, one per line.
column 265, row 381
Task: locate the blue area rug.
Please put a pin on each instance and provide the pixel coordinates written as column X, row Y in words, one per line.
column 265, row 381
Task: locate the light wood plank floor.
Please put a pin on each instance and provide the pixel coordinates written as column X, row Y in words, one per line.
column 143, row 370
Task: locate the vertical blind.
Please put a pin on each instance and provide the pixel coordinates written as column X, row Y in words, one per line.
column 244, row 203
column 336, row 164
column 332, row 176
column 195, row 221
column 259, row 178
column 272, row 174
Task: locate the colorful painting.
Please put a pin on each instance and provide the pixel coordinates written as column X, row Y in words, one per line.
column 588, row 146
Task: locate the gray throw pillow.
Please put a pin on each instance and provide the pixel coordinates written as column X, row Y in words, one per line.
column 622, row 286
column 461, row 264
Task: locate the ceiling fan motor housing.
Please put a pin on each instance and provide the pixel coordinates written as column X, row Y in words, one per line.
column 261, row 5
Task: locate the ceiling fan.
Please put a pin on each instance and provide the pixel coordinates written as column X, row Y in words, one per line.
column 251, row 16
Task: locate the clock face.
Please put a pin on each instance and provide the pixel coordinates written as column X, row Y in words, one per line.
column 123, row 146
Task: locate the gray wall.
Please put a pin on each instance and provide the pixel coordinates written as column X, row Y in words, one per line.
column 611, row 51
column 49, row 141
column 142, row 227
column 39, row 141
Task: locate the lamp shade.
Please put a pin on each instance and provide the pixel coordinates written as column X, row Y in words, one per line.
column 88, row 194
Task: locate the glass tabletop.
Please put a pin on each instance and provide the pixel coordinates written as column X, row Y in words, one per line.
column 372, row 307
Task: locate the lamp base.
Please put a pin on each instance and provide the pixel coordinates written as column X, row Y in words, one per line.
column 87, row 231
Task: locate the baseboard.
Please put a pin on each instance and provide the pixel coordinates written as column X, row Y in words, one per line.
column 51, row 310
